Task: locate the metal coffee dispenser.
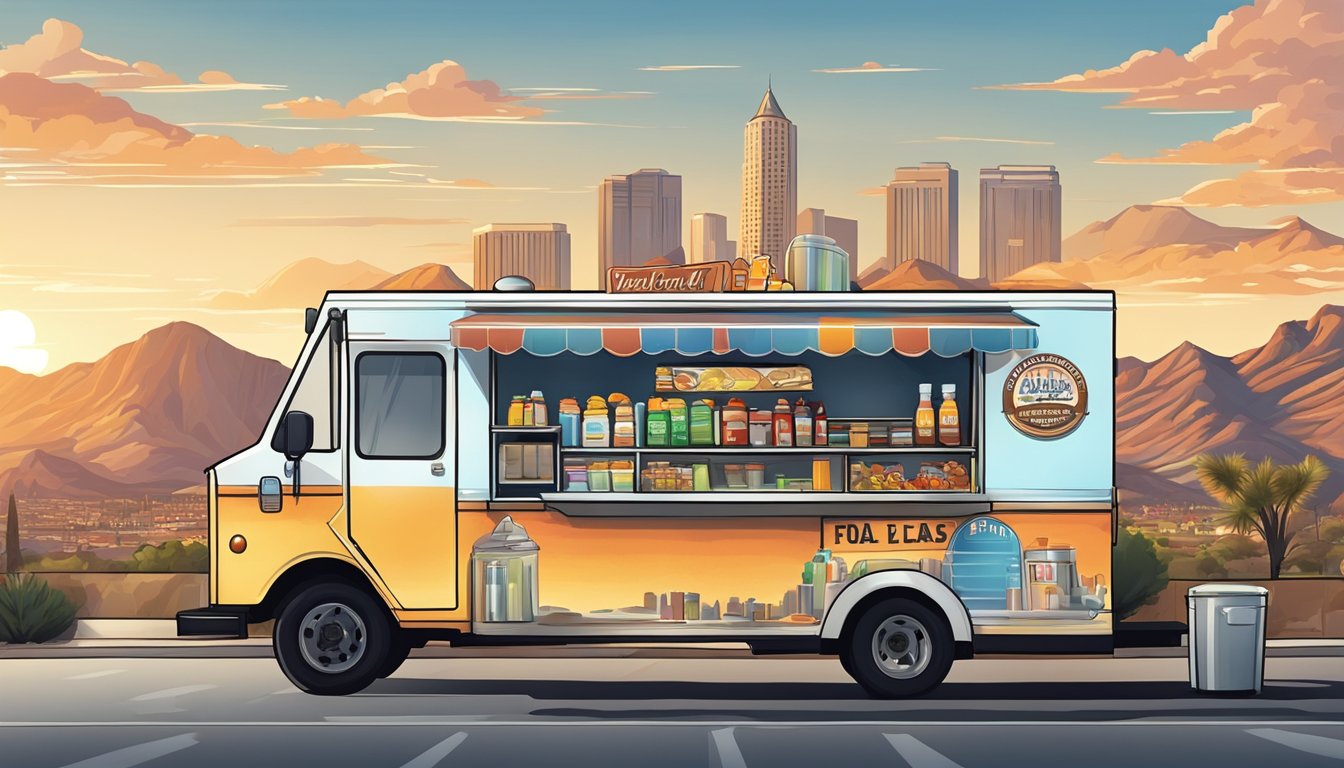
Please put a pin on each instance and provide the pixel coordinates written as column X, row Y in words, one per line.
column 1052, row 580
column 504, row 574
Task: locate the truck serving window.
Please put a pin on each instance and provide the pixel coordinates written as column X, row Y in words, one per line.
column 313, row 396
column 399, row 400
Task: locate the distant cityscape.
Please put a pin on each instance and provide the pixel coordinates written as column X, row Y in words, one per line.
column 109, row 526
column 639, row 219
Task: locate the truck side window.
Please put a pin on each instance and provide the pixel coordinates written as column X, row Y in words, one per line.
column 313, row 396
column 399, row 400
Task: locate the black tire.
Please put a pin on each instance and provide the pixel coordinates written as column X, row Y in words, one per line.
column 350, row 656
column 911, row 656
column 396, row 656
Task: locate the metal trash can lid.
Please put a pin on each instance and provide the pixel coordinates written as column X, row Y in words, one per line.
column 1225, row 590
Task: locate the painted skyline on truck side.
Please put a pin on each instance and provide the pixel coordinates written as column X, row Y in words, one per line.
column 171, row 206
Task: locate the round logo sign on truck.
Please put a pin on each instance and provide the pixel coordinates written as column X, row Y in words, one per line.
column 1045, row 396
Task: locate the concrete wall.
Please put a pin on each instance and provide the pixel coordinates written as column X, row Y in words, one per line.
column 1298, row 608
column 131, row 595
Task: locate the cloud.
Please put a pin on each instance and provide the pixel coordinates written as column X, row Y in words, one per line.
column 346, row 221
column 1279, row 58
column 17, row 340
column 871, row 66
column 441, row 92
column 68, row 132
column 873, row 191
column 55, row 53
column 687, row 67
column 579, row 94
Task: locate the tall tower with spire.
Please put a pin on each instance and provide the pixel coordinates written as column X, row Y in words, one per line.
column 769, row 182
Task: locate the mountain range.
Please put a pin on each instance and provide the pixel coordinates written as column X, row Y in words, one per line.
column 303, row 283
column 1283, row 400
column 146, row 418
column 1167, row 248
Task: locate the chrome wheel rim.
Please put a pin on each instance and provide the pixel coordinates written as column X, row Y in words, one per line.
column 902, row 647
column 332, row 638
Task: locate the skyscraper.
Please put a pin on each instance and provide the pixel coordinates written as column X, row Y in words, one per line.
column 922, row 215
column 709, row 239
column 638, row 218
column 539, row 252
column 845, row 233
column 769, row 183
column 1019, row 218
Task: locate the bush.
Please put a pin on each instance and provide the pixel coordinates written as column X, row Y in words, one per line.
column 171, row 557
column 1139, row 574
column 31, row 611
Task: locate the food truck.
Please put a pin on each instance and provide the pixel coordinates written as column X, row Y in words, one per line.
column 900, row 479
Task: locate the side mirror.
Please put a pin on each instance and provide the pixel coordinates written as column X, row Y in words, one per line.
column 309, row 320
column 294, row 437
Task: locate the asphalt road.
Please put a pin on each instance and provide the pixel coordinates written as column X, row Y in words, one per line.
column 685, row 711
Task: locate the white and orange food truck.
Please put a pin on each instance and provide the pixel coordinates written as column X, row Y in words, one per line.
column 897, row 478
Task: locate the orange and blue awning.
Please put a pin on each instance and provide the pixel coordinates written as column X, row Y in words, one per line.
column 755, row 335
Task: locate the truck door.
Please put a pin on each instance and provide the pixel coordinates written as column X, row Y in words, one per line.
column 402, row 468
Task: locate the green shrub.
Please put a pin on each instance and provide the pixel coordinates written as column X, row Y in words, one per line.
column 171, row 557
column 31, row 611
column 1139, row 574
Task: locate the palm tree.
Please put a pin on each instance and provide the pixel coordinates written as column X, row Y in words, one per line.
column 1261, row 499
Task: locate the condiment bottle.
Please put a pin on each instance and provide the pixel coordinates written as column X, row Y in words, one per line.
column 925, row 420
column 528, row 410
column 949, row 420
column 539, row 418
column 516, row 407
column 734, row 430
column 783, row 424
column 802, row 424
column 821, row 433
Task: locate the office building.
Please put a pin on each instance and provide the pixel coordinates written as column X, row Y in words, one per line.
column 805, row 602
column 678, row 606
column 769, row 183
column 922, row 216
column 539, row 252
column 638, row 219
column 734, row 607
column 1019, row 219
column 692, row 606
column 845, row 232
column 650, row 602
column 709, row 239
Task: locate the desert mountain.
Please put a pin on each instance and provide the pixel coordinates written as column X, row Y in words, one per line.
column 147, row 417
column 302, row 284
column 426, row 277
column 1283, row 400
column 920, row 275
column 1154, row 247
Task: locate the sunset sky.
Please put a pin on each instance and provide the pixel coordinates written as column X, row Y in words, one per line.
column 112, row 223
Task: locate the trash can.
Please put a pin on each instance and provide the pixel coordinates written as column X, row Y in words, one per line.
column 1227, row 637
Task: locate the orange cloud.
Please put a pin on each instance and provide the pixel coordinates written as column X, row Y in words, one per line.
column 56, row 54
column 1279, row 58
column 441, row 92
column 75, row 132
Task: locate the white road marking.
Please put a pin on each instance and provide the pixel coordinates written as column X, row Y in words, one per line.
column 729, row 754
column 435, row 754
column 140, row 753
column 92, row 675
column 1302, row 742
column 169, row 693
column 917, row 753
column 462, row 723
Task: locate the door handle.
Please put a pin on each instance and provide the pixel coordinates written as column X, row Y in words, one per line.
column 436, row 469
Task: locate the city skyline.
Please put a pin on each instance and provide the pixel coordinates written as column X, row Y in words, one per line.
column 104, row 253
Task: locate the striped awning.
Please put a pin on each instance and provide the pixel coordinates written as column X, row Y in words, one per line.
column 754, row 335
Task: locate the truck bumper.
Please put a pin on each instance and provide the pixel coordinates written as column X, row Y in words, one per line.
column 213, row 621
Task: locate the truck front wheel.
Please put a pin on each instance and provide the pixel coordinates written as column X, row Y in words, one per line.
column 898, row 648
column 332, row 638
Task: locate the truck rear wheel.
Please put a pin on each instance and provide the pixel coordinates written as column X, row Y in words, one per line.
column 332, row 638
column 898, row 648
